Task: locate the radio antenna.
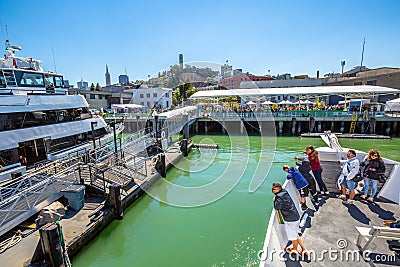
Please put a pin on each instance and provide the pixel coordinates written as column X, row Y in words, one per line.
column 2, row 30
column 362, row 55
column 54, row 59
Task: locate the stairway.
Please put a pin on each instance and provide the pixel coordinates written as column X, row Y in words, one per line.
column 10, row 78
column 353, row 124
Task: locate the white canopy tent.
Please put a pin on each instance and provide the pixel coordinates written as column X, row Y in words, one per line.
column 393, row 105
column 126, row 107
column 250, row 103
column 285, row 102
column 306, row 102
column 267, row 103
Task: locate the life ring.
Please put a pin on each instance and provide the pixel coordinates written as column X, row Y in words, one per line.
column 163, row 134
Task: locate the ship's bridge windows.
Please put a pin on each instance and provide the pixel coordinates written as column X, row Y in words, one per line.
column 49, row 80
column 54, row 80
column 2, row 81
column 29, row 79
column 58, row 81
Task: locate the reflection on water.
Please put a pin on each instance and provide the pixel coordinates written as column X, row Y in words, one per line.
column 226, row 232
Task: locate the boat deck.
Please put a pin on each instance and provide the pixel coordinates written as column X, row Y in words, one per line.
column 333, row 226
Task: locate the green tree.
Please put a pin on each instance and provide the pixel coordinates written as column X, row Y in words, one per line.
column 98, row 87
column 92, row 87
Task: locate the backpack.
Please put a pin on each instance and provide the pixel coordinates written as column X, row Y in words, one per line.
column 359, row 176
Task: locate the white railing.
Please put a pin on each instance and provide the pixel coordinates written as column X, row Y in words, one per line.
column 276, row 239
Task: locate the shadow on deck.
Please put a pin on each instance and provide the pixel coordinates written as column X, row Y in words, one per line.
column 331, row 236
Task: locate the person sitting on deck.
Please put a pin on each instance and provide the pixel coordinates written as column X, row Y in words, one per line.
column 300, row 183
column 284, row 203
column 350, row 170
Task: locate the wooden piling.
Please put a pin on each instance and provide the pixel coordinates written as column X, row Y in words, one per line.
column 115, row 200
column 51, row 245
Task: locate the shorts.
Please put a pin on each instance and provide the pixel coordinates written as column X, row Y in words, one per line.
column 350, row 185
column 304, row 191
column 291, row 229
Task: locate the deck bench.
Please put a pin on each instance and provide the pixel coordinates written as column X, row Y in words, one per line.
column 369, row 234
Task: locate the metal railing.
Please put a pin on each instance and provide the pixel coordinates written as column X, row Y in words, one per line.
column 22, row 197
column 299, row 113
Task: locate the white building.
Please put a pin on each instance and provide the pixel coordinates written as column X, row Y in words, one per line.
column 153, row 97
column 281, row 83
column 82, row 85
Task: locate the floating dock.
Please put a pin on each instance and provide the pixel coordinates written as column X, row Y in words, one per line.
column 205, row 146
column 79, row 227
column 340, row 135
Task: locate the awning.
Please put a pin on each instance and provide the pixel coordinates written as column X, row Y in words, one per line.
column 126, row 106
column 356, row 90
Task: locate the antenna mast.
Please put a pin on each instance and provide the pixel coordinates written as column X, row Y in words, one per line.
column 362, row 55
column 54, row 59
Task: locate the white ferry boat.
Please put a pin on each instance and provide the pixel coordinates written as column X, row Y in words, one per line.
column 337, row 234
column 38, row 118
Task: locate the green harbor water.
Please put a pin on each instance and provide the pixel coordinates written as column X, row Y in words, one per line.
column 226, row 232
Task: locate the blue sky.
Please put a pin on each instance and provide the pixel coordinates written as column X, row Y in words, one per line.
column 145, row 37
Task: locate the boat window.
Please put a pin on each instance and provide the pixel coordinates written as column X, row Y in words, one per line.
column 2, row 81
column 58, row 81
column 29, row 79
column 49, row 80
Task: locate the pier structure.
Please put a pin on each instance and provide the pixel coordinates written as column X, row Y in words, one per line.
column 111, row 176
column 289, row 123
column 295, row 118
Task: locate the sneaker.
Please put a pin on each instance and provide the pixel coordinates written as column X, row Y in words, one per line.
column 326, row 193
column 348, row 202
column 342, row 197
column 304, row 206
column 364, row 196
column 371, row 199
column 316, row 199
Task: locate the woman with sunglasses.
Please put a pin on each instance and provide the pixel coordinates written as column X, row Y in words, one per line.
column 374, row 167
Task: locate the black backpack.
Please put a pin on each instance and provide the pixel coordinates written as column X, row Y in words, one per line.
column 359, row 176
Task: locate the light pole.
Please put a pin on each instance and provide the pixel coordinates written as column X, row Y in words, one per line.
column 93, row 124
column 342, row 63
column 115, row 138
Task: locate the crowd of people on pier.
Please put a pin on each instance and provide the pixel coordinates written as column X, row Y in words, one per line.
column 355, row 176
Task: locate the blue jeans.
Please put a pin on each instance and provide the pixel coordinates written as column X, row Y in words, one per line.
column 367, row 181
column 318, row 177
column 349, row 185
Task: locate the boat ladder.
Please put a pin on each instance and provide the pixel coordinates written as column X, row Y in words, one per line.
column 365, row 116
column 9, row 78
column 354, row 118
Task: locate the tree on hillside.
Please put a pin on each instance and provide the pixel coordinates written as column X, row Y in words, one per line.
column 183, row 91
column 92, row 87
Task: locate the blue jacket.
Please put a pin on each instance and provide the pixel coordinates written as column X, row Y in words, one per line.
column 285, row 204
column 297, row 178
